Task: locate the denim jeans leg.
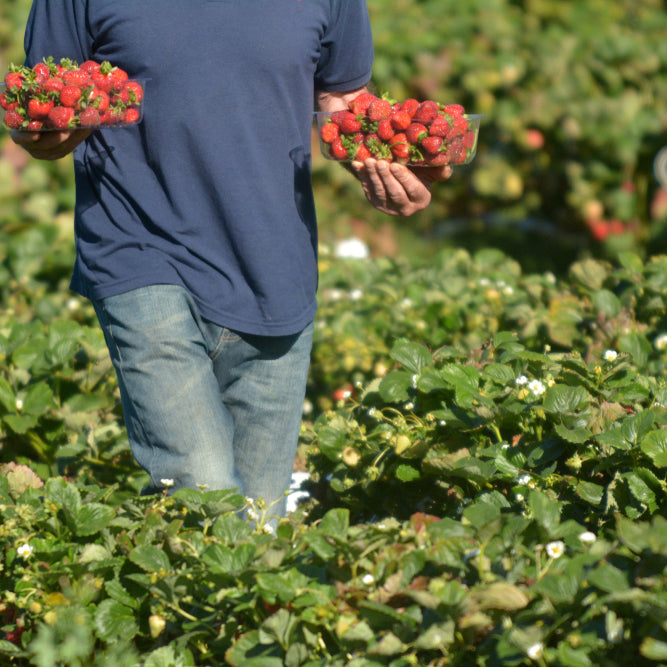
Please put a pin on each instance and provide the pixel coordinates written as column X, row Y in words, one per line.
column 263, row 383
column 203, row 405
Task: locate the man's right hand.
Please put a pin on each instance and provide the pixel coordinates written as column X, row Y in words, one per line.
column 49, row 145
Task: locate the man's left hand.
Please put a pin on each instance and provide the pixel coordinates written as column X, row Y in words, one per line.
column 396, row 189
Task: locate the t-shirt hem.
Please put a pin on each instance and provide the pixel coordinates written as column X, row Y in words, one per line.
column 221, row 318
column 343, row 86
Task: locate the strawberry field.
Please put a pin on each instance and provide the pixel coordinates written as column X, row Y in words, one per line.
column 484, row 429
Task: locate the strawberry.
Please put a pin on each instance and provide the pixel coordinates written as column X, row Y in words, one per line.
column 416, row 132
column 70, row 96
column 385, row 129
column 39, row 107
column 347, row 121
column 410, row 106
column 76, row 77
column 432, row 144
column 439, row 127
column 35, row 125
column 90, row 117
column 98, row 99
column 90, row 66
column 400, row 120
column 109, row 78
column 13, row 119
column 469, row 140
column 379, row 109
column 454, row 110
column 439, row 159
column 329, row 132
column 14, row 80
column 60, row 117
column 7, row 102
column 337, row 150
column 131, row 115
column 359, row 105
column 426, row 112
column 362, row 153
column 459, row 128
column 132, row 92
column 399, row 145
column 53, row 85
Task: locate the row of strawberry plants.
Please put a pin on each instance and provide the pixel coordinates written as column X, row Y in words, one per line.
column 90, row 579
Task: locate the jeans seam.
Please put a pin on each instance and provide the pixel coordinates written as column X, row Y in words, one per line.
column 120, row 370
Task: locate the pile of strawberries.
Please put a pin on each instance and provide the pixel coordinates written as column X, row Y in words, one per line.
column 411, row 132
column 60, row 96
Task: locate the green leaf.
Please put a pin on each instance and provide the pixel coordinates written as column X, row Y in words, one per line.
column 607, row 302
column 546, row 511
column 500, row 373
column 637, row 347
column 608, row 578
column 336, row 523
column 150, row 558
column 406, row 473
column 653, row 649
column 561, row 399
column 91, row 518
column 590, row 273
column 590, row 492
column 228, row 560
column 654, row 445
column 114, row 620
column 641, row 490
column 463, row 377
column 438, row 636
column 116, row 591
column 572, row 657
column 20, row 424
column 576, row 436
column 412, row 356
column 7, row 396
column 395, row 386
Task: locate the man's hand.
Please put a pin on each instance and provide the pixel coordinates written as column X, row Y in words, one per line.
column 49, row 145
column 396, row 189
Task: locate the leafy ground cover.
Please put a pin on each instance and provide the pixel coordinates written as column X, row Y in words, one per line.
column 489, row 488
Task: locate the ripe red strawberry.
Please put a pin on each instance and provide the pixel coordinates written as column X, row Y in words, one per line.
column 90, row 66
column 35, row 125
column 359, row 105
column 14, row 80
column 53, row 85
column 399, row 145
column 131, row 115
column 454, row 110
column 329, row 132
column 400, row 120
column 385, row 130
column 98, row 99
column 39, row 107
column 347, row 121
column 456, row 151
column 439, row 127
column 362, row 153
column 42, row 69
column 379, row 109
column 70, row 96
column 90, row 117
column 469, row 140
column 337, row 150
column 109, row 78
column 410, row 106
column 426, row 112
column 416, row 132
column 13, row 119
column 112, row 116
column 439, row 159
column 8, row 103
column 459, row 128
column 76, row 77
column 60, row 117
column 132, row 92
column 432, row 144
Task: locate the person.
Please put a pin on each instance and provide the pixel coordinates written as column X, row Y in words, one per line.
column 195, row 230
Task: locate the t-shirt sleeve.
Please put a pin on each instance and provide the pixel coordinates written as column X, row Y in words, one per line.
column 58, row 29
column 346, row 55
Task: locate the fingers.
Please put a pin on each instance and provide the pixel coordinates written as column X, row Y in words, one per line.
column 393, row 188
column 49, row 145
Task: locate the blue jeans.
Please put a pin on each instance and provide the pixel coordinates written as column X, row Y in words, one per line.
column 204, row 405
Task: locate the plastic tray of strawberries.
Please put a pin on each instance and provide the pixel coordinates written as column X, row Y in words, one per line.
column 58, row 96
column 413, row 132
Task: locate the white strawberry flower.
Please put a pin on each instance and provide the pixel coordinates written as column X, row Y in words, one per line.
column 588, row 537
column 535, row 651
column 555, row 549
column 25, row 551
column 536, row 387
column 521, row 380
column 610, row 355
column 660, row 341
column 167, row 482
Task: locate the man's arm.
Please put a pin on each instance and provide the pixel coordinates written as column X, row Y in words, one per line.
column 392, row 188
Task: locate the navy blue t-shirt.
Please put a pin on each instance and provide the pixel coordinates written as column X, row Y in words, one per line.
column 212, row 191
